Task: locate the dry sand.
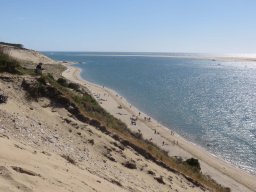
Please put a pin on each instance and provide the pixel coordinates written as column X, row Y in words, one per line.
column 221, row 171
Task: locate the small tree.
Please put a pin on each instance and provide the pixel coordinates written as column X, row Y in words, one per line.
column 62, row 82
column 193, row 163
column 74, row 86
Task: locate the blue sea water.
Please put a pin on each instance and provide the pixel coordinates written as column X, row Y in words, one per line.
column 211, row 103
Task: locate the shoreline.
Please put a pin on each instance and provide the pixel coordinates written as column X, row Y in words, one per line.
column 223, row 172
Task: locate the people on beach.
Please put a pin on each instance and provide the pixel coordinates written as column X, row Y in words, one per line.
column 147, row 118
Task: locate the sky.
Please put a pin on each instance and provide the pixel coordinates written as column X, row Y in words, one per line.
column 199, row 26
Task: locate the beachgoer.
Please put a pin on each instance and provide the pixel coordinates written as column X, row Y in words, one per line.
column 39, row 68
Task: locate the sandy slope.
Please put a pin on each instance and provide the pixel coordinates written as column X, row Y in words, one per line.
column 27, row 55
column 42, row 172
column 35, row 135
column 221, row 171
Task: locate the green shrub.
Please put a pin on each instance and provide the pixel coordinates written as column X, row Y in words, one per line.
column 42, row 80
column 74, row 86
column 62, row 82
column 50, row 76
column 13, row 44
column 193, row 163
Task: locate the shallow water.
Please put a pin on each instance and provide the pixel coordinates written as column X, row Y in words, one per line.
column 212, row 103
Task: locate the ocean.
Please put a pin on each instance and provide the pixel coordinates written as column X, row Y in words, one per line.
column 209, row 102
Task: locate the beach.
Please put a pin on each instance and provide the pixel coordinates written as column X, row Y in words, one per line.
column 45, row 147
column 223, row 172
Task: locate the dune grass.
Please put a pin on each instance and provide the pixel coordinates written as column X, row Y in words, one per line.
column 10, row 65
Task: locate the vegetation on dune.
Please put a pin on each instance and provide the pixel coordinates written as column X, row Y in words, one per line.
column 62, row 82
column 20, row 46
column 87, row 109
column 10, row 65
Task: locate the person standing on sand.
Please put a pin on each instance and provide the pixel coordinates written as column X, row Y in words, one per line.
column 39, row 68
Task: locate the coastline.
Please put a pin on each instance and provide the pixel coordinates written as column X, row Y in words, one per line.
column 221, row 171
column 47, row 146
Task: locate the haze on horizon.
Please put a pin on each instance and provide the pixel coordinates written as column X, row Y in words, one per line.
column 131, row 26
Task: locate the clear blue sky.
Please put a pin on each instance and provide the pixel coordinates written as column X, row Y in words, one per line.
column 216, row 26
